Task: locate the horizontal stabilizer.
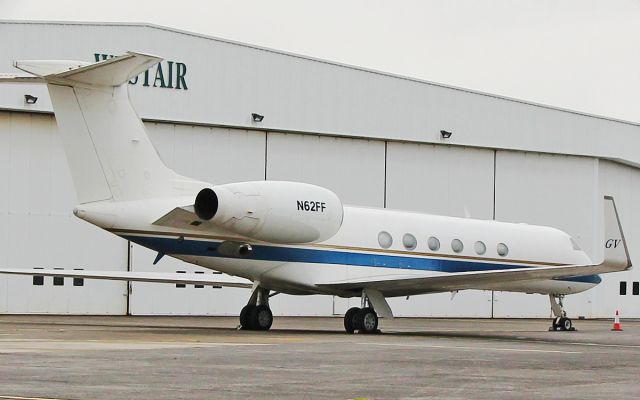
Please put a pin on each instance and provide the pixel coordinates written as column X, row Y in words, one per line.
column 112, row 72
column 153, row 277
column 48, row 67
column 15, row 78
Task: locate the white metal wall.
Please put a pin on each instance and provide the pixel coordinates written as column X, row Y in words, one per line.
column 623, row 183
column 37, row 228
column 229, row 81
column 552, row 190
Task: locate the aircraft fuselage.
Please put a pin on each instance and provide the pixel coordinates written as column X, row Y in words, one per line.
column 356, row 251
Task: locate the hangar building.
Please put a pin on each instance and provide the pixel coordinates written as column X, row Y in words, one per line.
column 373, row 138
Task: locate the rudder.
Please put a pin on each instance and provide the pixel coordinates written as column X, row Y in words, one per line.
column 107, row 147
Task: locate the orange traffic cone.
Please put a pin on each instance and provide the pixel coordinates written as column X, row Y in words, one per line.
column 616, row 323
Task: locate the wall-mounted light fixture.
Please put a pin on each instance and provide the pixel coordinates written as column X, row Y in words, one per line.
column 445, row 134
column 29, row 99
column 257, row 117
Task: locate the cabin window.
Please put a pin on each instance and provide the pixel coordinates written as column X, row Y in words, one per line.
column 433, row 243
column 623, row 288
column 456, row 245
column 385, row 240
column 480, row 248
column 636, row 288
column 502, row 249
column 409, row 241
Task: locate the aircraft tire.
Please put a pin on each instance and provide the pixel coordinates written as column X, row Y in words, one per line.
column 244, row 317
column 261, row 318
column 349, row 319
column 366, row 321
column 565, row 324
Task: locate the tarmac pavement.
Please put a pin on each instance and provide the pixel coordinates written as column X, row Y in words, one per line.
column 117, row 357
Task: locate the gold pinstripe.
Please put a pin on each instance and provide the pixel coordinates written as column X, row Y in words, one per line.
column 338, row 247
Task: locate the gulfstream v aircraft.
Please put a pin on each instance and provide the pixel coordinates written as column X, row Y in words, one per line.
column 287, row 237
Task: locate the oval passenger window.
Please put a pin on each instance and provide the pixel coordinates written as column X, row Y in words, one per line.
column 385, row 240
column 409, row 241
column 503, row 250
column 456, row 245
column 433, row 243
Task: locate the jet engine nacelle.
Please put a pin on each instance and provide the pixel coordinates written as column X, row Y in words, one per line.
column 272, row 211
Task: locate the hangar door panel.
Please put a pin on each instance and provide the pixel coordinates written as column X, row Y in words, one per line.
column 352, row 168
column 623, row 183
column 215, row 155
column 443, row 180
column 552, row 190
column 37, row 228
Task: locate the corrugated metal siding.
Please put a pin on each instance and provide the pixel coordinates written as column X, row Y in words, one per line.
column 227, row 82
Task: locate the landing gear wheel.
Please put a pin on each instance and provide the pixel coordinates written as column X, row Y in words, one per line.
column 565, row 324
column 261, row 318
column 366, row 321
column 349, row 319
column 244, row 316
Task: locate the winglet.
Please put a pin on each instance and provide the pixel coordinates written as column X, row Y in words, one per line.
column 616, row 252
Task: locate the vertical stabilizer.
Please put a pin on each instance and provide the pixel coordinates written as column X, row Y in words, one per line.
column 109, row 152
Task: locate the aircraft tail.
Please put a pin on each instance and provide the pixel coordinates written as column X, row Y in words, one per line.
column 616, row 252
column 107, row 147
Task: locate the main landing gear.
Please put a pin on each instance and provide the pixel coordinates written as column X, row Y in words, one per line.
column 560, row 322
column 256, row 315
column 362, row 319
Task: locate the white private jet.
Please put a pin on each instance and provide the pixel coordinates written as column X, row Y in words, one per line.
column 287, row 237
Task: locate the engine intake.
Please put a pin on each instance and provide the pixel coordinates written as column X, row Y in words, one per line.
column 206, row 205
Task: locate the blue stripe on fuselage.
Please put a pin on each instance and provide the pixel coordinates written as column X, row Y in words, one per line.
column 292, row 254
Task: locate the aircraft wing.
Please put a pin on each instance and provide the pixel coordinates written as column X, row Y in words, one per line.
column 184, row 218
column 616, row 258
column 449, row 282
column 157, row 277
